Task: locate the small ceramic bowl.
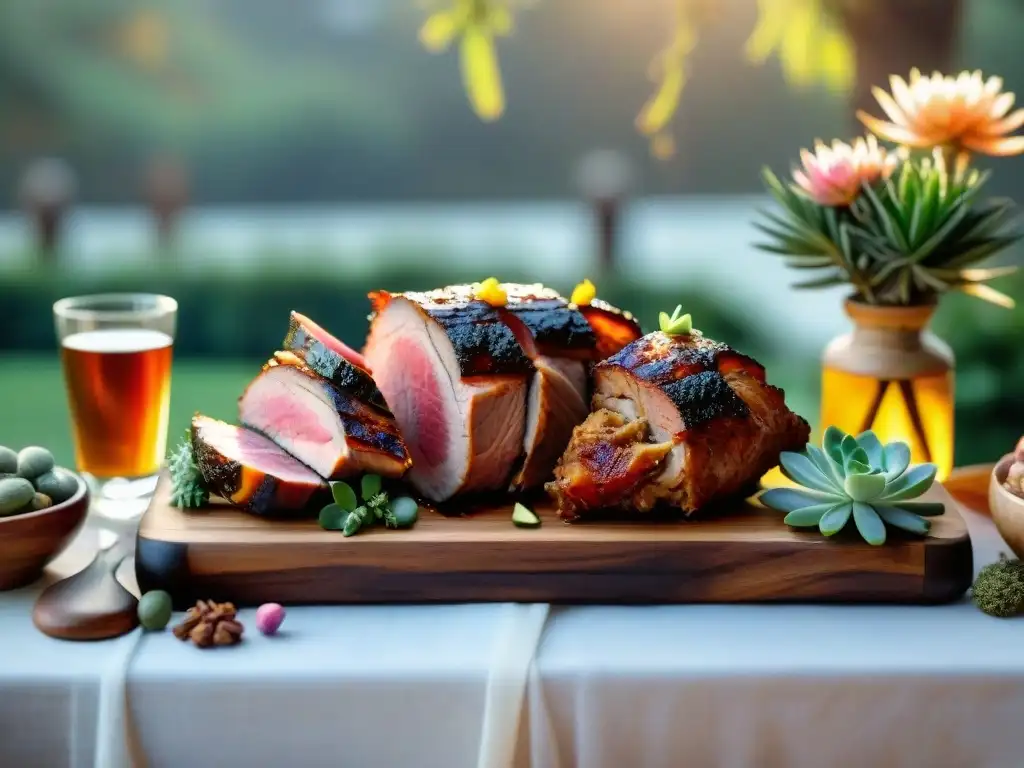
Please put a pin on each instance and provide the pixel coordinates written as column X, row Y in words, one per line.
column 30, row 540
column 1007, row 510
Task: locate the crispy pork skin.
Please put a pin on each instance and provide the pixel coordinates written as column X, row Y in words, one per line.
column 456, row 380
column 545, row 323
column 322, row 425
column 725, row 423
column 613, row 328
column 332, row 359
column 558, row 339
column 249, row 470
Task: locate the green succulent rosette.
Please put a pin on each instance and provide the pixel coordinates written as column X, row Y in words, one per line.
column 855, row 478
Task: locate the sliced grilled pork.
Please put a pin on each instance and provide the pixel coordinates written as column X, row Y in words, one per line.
column 725, row 423
column 557, row 338
column 249, row 470
column 456, row 379
column 324, row 426
column 332, row 359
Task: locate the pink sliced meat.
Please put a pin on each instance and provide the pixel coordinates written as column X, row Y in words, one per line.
column 249, row 470
column 325, row 427
column 456, row 380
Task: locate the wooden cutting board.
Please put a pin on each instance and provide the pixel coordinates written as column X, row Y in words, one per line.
column 740, row 554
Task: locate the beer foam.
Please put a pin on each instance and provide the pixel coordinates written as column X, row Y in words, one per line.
column 117, row 340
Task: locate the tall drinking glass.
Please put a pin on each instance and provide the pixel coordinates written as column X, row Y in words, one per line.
column 116, row 352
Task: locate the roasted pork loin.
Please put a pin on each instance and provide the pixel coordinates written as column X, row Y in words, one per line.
column 456, row 379
column 249, row 470
column 326, row 427
column 332, row 359
column 486, row 397
column 558, row 339
column 678, row 420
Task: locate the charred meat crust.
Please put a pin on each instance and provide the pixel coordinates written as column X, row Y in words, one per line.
column 690, row 372
column 366, row 428
column 333, row 366
column 483, row 344
column 552, row 322
column 703, row 397
column 223, row 476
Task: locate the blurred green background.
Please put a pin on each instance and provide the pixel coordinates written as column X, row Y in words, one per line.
column 250, row 157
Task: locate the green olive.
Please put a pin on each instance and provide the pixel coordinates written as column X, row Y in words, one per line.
column 8, row 461
column 57, row 484
column 34, row 461
column 41, row 501
column 15, row 493
column 155, row 610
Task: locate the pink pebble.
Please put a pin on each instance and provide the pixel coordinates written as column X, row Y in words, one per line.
column 269, row 617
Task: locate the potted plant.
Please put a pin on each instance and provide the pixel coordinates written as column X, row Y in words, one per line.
column 901, row 227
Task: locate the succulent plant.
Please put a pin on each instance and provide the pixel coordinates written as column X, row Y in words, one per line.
column 676, row 324
column 187, row 487
column 902, row 240
column 858, row 478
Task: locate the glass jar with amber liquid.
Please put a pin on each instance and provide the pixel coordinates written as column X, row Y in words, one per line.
column 893, row 376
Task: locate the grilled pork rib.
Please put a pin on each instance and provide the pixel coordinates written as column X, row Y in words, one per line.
column 456, row 380
column 703, row 410
column 249, row 470
column 324, row 426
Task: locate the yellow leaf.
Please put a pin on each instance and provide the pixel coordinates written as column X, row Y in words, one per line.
column 987, row 293
column 795, row 52
column 659, row 109
column 480, row 73
column 980, row 274
column 438, row 31
column 500, row 20
column 771, row 23
column 837, row 61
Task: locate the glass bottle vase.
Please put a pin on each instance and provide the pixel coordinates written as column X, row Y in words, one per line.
column 893, row 376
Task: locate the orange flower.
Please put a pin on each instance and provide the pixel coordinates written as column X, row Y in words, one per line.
column 833, row 175
column 964, row 112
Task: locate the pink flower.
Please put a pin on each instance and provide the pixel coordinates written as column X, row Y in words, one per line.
column 833, row 175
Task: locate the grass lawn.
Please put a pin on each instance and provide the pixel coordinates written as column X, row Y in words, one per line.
column 34, row 410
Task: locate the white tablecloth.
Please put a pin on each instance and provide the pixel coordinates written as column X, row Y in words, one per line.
column 610, row 687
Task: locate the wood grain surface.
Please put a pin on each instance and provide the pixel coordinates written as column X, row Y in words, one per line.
column 89, row 605
column 740, row 554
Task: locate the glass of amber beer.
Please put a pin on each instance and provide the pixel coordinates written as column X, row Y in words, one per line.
column 116, row 352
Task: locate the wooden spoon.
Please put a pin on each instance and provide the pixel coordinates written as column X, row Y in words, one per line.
column 90, row 605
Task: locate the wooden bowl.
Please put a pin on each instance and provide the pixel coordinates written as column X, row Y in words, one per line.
column 30, row 540
column 1007, row 510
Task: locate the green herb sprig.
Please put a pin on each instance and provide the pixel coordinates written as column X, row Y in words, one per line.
column 348, row 515
column 855, row 477
column 188, row 489
column 677, row 324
